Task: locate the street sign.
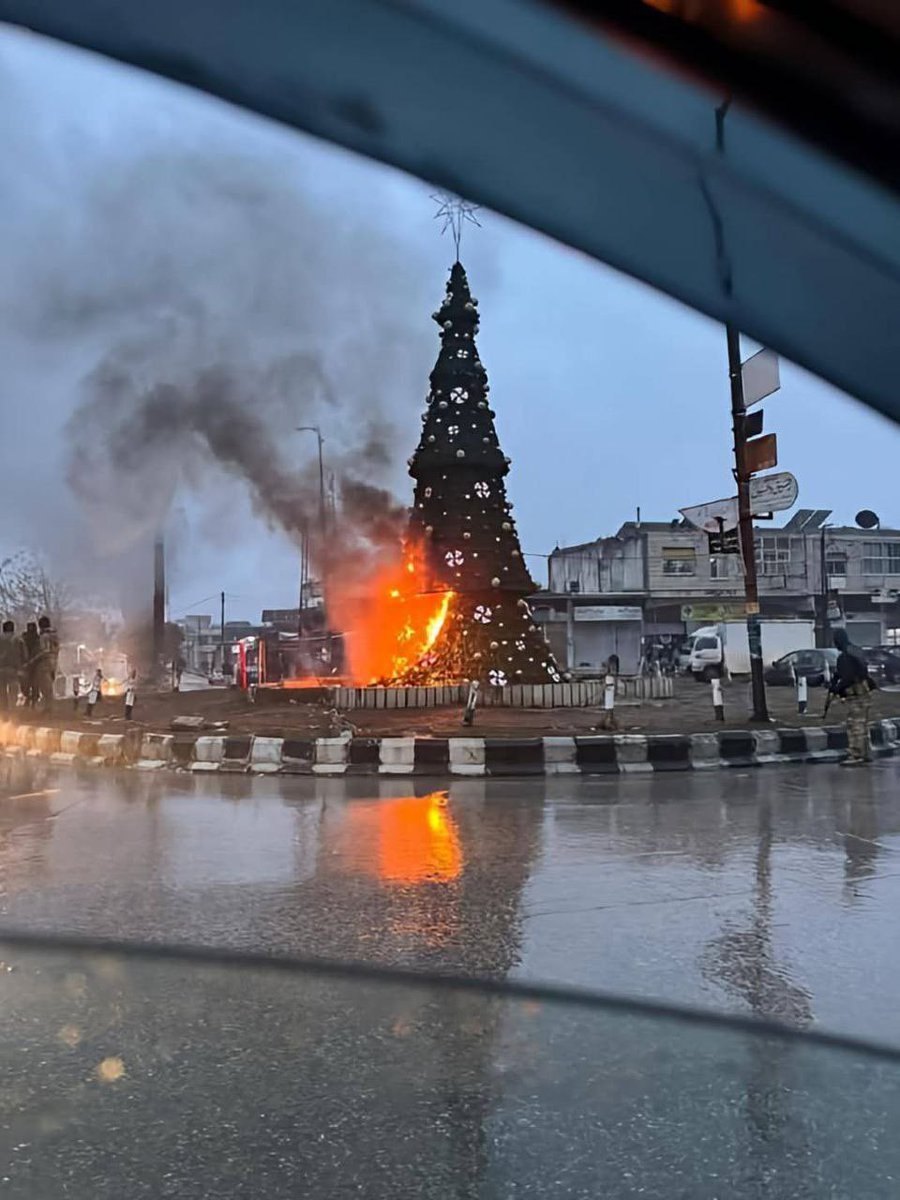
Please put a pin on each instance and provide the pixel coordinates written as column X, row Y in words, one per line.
column 708, row 516
column 753, row 423
column 761, row 453
column 608, row 612
column 726, row 542
column 712, row 614
column 760, row 376
column 772, row 493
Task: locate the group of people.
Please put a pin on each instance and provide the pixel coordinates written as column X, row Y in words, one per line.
column 28, row 664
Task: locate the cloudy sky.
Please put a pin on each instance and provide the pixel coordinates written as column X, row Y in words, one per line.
column 153, row 234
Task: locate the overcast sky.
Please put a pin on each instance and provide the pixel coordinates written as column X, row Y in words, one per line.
column 608, row 395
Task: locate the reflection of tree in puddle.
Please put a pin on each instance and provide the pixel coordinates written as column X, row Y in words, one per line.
column 411, row 844
column 315, row 1085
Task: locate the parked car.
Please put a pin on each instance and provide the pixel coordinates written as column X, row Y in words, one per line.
column 813, row 664
column 884, row 663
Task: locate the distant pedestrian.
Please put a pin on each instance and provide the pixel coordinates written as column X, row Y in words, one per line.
column 851, row 681
column 130, row 693
column 47, row 662
column 12, row 659
column 95, row 694
column 31, row 641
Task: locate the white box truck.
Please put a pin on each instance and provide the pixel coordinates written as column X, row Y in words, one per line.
column 723, row 649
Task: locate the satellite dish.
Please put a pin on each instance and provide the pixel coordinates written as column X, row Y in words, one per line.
column 867, row 519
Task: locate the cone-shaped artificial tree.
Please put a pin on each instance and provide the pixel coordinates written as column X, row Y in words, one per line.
column 461, row 529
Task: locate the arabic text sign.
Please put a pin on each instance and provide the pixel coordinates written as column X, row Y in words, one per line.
column 772, row 493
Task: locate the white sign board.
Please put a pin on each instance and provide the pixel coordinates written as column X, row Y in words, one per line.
column 772, row 493
column 760, row 376
column 608, row 612
column 768, row 493
column 708, row 516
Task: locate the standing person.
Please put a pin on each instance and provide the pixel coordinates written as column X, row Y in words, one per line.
column 852, row 683
column 12, row 657
column 47, row 662
column 31, row 641
column 95, row 695
column 130, row 693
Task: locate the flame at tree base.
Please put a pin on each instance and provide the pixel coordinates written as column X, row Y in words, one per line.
column 402, row 635
column 489, row 637
column 392, row 623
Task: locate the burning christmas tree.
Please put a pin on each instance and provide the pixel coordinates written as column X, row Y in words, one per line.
column 462, row 540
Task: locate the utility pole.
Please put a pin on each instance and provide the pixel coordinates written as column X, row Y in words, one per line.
column 745, row 523
column 323, row 532
column 159, row 603
column 323, row 520
column 742, row 468
column 222, row 638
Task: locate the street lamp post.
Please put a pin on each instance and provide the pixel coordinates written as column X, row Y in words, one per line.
column 320, row 440
column 323, row 527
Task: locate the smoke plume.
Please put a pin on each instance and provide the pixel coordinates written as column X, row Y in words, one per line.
column 180, row 294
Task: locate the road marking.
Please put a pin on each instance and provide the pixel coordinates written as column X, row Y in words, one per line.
column 31, row 795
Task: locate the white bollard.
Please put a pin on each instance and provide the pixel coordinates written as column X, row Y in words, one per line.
column 802, row 685
column 471, row 701
column 609, row 693
column 717, row 698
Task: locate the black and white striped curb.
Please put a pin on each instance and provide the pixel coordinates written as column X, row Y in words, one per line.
column 579, row 755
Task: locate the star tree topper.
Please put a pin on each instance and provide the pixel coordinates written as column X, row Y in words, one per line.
column 454, row 212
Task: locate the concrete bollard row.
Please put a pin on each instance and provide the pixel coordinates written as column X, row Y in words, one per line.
column 595, row 754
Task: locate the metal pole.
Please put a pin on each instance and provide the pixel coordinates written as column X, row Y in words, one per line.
column 159, row 602
column 322, row 516
column 745, row 524
column 222, row 637
column 824, row 624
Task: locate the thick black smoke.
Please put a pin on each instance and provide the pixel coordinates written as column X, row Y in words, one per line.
column 180, row 292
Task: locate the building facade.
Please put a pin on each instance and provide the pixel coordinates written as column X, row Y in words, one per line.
column 657, row 580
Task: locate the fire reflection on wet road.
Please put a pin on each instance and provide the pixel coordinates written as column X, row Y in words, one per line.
column 769, row 893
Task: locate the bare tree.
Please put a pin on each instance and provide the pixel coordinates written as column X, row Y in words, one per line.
column 28, row 591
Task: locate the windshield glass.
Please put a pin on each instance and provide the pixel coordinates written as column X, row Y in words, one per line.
column 168, row 1075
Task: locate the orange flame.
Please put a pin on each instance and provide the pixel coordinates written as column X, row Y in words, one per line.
column 415, row 840
column 391, row 620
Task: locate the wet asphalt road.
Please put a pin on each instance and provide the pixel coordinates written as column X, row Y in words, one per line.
column 772, row 893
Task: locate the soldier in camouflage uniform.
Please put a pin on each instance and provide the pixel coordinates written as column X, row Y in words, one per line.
column 852, row 683
column 46, row 663
column 12, row 658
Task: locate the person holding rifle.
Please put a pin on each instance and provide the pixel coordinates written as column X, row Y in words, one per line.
column 851, row 682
